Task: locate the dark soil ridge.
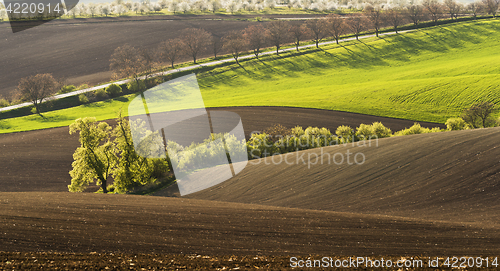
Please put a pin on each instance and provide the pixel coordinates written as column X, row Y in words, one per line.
column 448, row 176
column 85, row 222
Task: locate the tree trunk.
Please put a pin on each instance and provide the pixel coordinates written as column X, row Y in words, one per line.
column 103, row 186
column 317, row 43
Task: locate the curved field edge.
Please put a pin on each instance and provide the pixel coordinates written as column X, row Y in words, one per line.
column 426, row 75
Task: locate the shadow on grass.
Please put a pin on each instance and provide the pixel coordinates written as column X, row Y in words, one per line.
column 48, row 119
column 4, row 125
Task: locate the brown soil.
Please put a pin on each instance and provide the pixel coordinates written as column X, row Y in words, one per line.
column 79, row 50
column 428, row 195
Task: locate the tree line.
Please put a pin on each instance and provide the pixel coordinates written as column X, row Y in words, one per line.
column 128, row 61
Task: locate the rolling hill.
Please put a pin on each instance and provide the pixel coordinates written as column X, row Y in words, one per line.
column 451, row 176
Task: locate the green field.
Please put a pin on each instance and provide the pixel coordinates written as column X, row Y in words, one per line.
column 426, row 75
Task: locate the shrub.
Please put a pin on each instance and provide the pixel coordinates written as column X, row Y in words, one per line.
column 376, row 130
column 364, row 131
column 277, row 131
column 83, row 98
column 417, row 129
column 67, row 89
column 456, row 124
column 135, row 86
column 260, row 145
column 124, row 87
column 346, row 133
column 4, row 103
column 100, row 93
column 380, row 130
column 113, row 90
column 82, row 86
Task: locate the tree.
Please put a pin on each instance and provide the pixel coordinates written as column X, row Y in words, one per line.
column 374, row 14
column 415, row 13
column 214, row 6
column 336, row 26
column 299, row 33
column 195, row 41
column 131, row 169
column 127, row 61
column 94, row 159
column 254, row 36
column 434, row 8
column 474, row 8
column 106, row 152
column 216, row 44
column 452, row 7
column 170, row 50
column 278, row 33
column 173, row 7
column 37, row 88
column 318, row 29
column 395, row 18
column 149, row 61
column 234, row 43
column 480, row 114
column 491, row 6
column 357, row 24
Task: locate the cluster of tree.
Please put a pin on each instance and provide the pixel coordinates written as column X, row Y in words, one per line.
column 108, row 153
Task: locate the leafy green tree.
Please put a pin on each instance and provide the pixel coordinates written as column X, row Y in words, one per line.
column 95, row 158
column 133, row 169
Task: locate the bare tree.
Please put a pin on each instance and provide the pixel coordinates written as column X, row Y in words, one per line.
column 37, row 88
column 452, row 7
column 127, row 61
column 434, row 8
column 336, row 26
column 415, row 13
column 255, row 37
column 216, row 44
column 195, row 41
column 375, row 16
column 395, row 18
column 277, row 33
column 149, row 61
column 357, row 24
column 234, row 43
column 318, row 29
column 299, row 33
column 170, row 50
column 475, row 8
column 491, row 6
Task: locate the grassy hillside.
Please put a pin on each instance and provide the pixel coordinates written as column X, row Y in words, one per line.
column 426, row 75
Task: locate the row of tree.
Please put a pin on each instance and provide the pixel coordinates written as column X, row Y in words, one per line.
column 128, row 61
column 120, row 7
